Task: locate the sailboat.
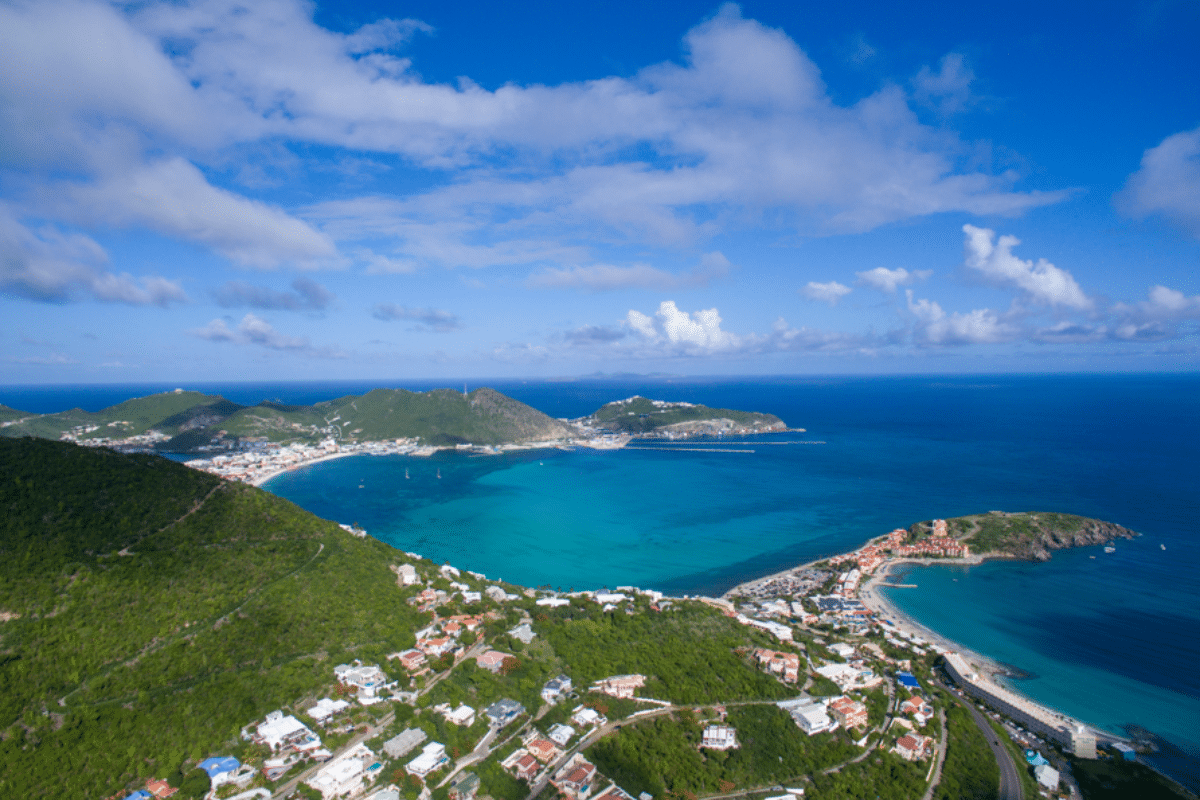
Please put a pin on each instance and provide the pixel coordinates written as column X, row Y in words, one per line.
column 406, row 473
column 439, row 473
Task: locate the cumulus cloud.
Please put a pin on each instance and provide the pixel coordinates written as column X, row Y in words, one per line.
column 306, row 295
column 1168, row 182
column 1042, row 282
column 829, row 292
column 254, row 330
column 425, row 318
column 50, row 266
column 936, row 327
column 698, row 331
column 888, row 280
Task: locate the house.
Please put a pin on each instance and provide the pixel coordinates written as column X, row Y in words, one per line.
column 413, row 661
column 583, row 717
column 464, row 786
column 614, row 793
column 542, row 749
column 496, row 593
column 553, row 602
column 809, row 715
column 326, row 708
column 449, row 572
column 786, row 665
column 463, row 716
column 281, row 732
column 523, row 632
column 491, row 660
column 503, row 711
column 452, row 628
column 561, row 734
column 432, row 757
column 1046, row 775
column 622, row 686
column 913, row 747
column 719, row 737
column 160, row 788
column 842, row 649
column 140, row 794
column 404, row 743
column 216, row 767
column 850, row 713
column 522, row 765
column 344, row 777
column 576, row 777
column 918, row 708
column 436, row 647
column 555, row 688
column 407, row 575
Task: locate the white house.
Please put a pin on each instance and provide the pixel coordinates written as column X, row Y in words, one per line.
column 433, row 756
column 407, row 575
column 344, row 777
column 1046, row 776
column 326, row 708
column 719, row 737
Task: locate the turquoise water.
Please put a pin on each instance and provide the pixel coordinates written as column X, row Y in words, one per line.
column 1112, row 640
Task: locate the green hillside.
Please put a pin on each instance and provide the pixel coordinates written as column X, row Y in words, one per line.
column 191, row 419
column 150, row 611
column 8, row 414
column 1030, row 535
column 642, row 415
column 166, row 412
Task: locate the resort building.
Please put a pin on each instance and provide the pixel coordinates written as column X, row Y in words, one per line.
column 1041, row 721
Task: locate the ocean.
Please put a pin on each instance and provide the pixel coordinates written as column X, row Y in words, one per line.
column 1113, row 640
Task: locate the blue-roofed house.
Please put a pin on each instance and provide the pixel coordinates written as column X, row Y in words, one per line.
column 908, row 680
column 219, row 766
column 140, row 794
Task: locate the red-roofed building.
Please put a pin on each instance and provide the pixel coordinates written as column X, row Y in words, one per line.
column 543, row 750
column 491, row 660
column 522, row 765
column 160, row 788
column 851, row 713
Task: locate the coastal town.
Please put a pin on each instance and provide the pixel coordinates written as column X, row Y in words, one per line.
column 448, row 717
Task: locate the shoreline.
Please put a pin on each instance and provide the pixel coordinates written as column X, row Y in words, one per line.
column 869, row 595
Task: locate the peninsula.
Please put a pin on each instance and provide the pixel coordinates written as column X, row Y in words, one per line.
column 255, row 443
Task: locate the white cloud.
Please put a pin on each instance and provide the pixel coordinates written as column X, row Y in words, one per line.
column 173, row 197
column 53, row 267
column 1159, row 316
column 1042, row 282
column 131, row 97
column 606, row 277
column 254, row 330
column 936, row 327
column 1168, row 182
column 698, row 331
column 829, row 292
column 887, row 280
column 949, row 89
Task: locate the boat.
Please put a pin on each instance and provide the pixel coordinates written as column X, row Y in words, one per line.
column 1110, row 549
column 439, row 473
column 1162, row 547
column 406, row 473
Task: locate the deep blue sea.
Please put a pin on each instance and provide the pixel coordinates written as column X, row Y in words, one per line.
column 1114, row 640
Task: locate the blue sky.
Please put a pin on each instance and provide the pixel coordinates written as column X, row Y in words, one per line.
column 273, row 190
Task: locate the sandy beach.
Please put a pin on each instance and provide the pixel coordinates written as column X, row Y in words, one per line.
column 259, row 481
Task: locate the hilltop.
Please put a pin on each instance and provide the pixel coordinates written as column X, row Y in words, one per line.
column 1029, row 535
column 183, row 421
column 641, row 416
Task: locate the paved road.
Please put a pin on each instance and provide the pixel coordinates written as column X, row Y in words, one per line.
column 935, row 774
column 1010, row 779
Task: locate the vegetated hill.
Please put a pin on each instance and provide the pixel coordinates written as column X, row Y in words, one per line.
column 1031, row 535
column 148, row 611
column 8, row 414
column 129, row 418
column 641, row 415
column 442, row 417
